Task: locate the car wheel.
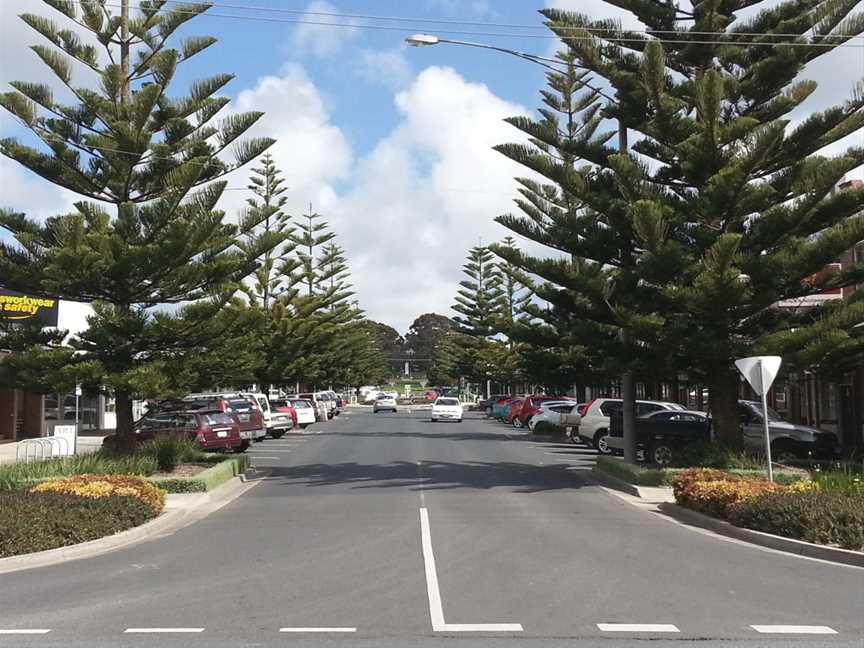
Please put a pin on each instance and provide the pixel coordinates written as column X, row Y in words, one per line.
column 459, row 420
column 600, row 443
column 433, row 420
column 661, row 454
column 243, row 447
column 277, row 434
column 783, row 455
column 517, row 423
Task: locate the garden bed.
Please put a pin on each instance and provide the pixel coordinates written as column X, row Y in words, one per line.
column 206, row 480
column 71, row 510
column 828, row 511
column 646, row 475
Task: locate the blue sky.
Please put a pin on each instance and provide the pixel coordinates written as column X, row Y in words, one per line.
column 392, row 144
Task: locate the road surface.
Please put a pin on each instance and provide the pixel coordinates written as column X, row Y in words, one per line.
column 389, row 531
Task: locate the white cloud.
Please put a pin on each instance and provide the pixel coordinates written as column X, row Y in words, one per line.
column 425, row 194
column 389, row 68
column 323, row 40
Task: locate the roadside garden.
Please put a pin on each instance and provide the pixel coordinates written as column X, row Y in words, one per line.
column 55, row 503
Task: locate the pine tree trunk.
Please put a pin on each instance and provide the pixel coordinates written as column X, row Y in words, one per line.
column 125, row 421
column 724, row 407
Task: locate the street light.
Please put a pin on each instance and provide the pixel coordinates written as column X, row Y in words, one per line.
column 422, row 40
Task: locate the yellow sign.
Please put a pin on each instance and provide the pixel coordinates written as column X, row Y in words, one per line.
column 15, row 306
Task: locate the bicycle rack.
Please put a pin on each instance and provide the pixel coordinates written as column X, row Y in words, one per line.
column 41, row 449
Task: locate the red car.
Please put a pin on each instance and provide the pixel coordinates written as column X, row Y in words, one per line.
column 431, row 395
column 283, row 405
column 211, row 429
column 512, row 410
column 531, row 405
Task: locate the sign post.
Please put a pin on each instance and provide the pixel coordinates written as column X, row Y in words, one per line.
column 760, row 372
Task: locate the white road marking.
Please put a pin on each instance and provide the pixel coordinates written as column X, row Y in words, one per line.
column 24, row 631
column 162, row 630
column 259, row 457
column 436, row 608
column 637, row 627
column 793, row 629
column 252, row 452
column 317, row 629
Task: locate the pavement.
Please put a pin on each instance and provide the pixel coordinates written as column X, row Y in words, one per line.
column 388, row 531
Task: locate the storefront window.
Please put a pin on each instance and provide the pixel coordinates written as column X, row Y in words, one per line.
column 63, row 408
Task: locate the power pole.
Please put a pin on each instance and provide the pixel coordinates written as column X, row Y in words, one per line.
column 628, row 388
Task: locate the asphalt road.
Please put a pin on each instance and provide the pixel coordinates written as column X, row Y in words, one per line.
column 389, row 531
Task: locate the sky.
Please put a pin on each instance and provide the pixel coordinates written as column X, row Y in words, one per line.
column 391, row 144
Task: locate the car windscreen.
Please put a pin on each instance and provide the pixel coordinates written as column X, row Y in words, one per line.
column 240, row 404
column 773, row 416
column 278, row 403
column 301, row 404
column 448, row 402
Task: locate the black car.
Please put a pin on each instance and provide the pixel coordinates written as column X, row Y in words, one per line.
column 661, row 435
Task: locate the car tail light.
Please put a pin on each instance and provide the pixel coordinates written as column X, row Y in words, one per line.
column 223, row 405
column 584, row 409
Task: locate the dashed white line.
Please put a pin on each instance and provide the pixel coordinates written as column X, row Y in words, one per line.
column 162, row 630
column 793, row 629
column 436, row 608
column 24, row 631
column 317, row 629
column 260, row 457
column 637, row 627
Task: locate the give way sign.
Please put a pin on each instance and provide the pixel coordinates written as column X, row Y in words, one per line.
column 760, row 371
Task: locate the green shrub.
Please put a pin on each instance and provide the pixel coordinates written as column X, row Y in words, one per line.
column 37, row 521
column 209, row 479
column 839, row 482
column 168, row 450
column 17, row 475
column 634, row 474
column 818, row 516
column 717, row 455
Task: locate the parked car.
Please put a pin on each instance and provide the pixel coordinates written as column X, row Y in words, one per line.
column 304, row 411
column 276, row 423
column 501, row 406
column 284, row 405
column 245, row 410
column 531, row 405
column 486, row 404
column 384, row 403
column 210, row 429
column 789, row 441
column 430, row 395
column 446, row 408
column 661, row 435
column 594, row 421
column 548, row 416
column 511, row 411
column 321, row 408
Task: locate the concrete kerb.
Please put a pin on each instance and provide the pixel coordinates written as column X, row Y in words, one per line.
column 665, row 508
column 181, row 510
column 788, row 545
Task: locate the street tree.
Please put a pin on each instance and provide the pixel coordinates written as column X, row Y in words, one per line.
column 424, row 333
column 479, row 296
column 267, row 226
column 149, row 167
column 515, row 291
column 732, row 199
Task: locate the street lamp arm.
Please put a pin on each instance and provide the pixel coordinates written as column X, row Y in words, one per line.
column 420, row 40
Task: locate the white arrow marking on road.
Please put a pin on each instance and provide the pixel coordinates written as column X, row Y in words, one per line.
column 436, row 608
column 637, row 627
column 317, row 629
column 793, row 629
column 162, row 630
column 24, row 631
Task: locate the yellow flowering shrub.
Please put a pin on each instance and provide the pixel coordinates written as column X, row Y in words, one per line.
column 716, row 492
column 101, row 486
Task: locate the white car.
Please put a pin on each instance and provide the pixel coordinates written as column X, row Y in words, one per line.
column 305, row 411
column 594, row 424
column 383, row 403
column 446, row 408
column 549, row 415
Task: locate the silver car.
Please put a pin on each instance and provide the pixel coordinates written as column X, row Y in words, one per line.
column 384, row 403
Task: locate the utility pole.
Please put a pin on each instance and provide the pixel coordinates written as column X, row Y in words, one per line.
column 628, row 388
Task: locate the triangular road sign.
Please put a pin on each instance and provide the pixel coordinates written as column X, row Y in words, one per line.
column 760, row 371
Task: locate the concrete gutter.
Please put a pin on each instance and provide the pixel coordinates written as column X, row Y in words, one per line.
column 788, row 545
column 181, row 510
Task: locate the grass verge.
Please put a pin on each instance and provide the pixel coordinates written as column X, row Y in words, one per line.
column 207, row 480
